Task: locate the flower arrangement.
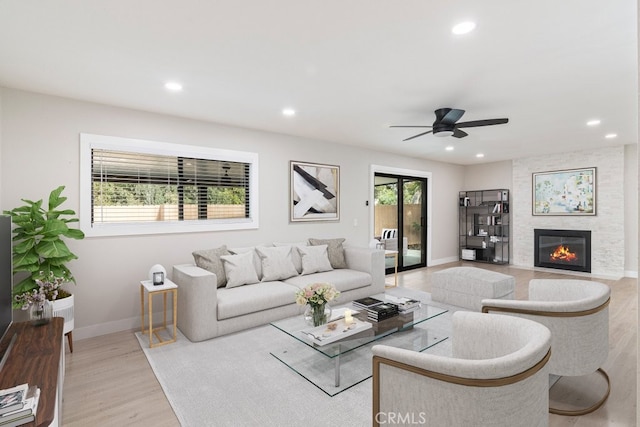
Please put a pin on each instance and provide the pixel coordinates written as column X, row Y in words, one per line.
column 316, row 294
column 48, row 290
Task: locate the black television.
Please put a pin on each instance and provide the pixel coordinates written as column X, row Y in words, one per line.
column 6, row 282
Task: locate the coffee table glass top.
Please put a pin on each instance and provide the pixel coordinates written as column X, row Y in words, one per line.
column 294, row 326
column 342, row 364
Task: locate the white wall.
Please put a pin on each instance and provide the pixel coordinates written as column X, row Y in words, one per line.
column 39, row 137
column 607, row 227
column 40, row 150
column 617, row 186
column 488, row 176
column 631, row 210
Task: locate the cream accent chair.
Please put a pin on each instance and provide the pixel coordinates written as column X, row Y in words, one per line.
column 577, row 313
column 497, row 376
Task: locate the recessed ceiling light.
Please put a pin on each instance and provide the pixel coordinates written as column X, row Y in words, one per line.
column 463, row 27
column 611, row 135
column 173, row 86
column 594, row 122
column 289, row 112
column 479, row 155
column 449, row 148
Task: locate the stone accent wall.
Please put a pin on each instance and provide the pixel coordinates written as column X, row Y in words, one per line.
column 607, row 226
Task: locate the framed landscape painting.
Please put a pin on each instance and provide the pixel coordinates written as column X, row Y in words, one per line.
column 565, row 192
column 315, row 192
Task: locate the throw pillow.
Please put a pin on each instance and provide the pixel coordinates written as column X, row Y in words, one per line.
column 239, row 269
column 295, row 255
column 256, row 259
column 209, row 259
column 276, row 263
column 335, row 251
column 314, row 259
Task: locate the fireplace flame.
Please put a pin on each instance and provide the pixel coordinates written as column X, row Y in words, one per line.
column 563, row 253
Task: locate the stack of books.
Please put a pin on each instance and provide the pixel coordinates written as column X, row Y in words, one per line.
column 405, row 305
column 383, row 311
column 18, row 405
column 366, row 302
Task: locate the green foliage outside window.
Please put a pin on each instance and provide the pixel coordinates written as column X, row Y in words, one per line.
column 117, row 194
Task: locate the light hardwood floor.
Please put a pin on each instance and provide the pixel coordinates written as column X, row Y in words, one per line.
column 110, row 383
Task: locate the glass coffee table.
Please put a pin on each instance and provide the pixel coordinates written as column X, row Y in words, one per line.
column 343, row 363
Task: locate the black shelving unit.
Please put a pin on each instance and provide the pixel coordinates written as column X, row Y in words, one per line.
column 484, row 226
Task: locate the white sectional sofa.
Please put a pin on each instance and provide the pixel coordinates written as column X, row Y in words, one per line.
column 210, row 306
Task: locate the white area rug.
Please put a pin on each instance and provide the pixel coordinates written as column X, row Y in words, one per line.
column 233, row 380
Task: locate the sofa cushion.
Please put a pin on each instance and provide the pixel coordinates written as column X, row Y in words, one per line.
column 209, row 259
column 254, row 298
column 276, row 263
column 314, row 259
column 256, row 259
column 295, row 254
column 334, row 250
column 239, row 269
column 343, row 279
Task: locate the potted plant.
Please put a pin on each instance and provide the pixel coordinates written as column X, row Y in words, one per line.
column 40, row 254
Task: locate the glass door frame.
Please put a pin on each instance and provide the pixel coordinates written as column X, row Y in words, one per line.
column 427, row 209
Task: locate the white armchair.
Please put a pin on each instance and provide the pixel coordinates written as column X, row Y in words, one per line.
column 577, row 313
column 390, row 239
column 497, row 376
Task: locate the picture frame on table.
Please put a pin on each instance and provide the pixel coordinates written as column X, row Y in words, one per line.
column 564, row 192
column 314, row 192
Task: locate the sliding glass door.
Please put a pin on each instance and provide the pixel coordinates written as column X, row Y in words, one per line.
column 400, row 218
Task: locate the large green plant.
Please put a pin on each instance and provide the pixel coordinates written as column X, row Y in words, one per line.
column 39, row 251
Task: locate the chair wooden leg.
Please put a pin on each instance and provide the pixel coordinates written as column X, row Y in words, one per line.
column 70, row 340
column 590, row 408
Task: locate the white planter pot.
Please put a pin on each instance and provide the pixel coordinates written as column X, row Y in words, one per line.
column 64, row 308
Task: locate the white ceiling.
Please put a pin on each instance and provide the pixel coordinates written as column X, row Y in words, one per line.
column 350, row 68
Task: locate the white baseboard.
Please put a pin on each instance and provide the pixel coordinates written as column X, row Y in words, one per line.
column 130, row 324
column 443, row 261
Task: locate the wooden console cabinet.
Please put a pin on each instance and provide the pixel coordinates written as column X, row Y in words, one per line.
column 37, row 358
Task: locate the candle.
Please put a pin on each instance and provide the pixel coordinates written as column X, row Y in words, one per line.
column 347, row 317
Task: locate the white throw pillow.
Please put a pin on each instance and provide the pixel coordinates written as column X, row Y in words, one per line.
column 239, row 269
column 295, row 254
column 314, row 259
column 276, row 263
column 256, row 259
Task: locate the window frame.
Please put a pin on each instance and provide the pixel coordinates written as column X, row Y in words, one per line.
column 88, row 142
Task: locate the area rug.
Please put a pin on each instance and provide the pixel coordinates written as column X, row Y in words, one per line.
column 233, row 380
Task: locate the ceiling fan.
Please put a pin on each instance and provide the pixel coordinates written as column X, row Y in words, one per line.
column 445, row 124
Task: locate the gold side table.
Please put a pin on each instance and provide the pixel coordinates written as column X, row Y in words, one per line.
column 164, row 289
column 394, row 254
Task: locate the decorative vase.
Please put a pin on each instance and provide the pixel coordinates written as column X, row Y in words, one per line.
column 40, row 314
column 317, row 315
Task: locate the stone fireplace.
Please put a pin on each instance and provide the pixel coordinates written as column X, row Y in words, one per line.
column 563, row 249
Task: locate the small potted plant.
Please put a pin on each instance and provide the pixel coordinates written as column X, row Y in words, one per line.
column 40, row 254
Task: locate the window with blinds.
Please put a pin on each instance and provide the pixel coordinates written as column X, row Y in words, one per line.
column 166, row 187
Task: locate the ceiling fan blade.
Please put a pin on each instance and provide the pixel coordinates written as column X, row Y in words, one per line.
column 457, row 133
column 420, row 134
column 477, row 123
column 394, row 126
column 452, row 116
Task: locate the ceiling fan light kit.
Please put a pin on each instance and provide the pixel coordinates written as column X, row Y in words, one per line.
column 446, row 124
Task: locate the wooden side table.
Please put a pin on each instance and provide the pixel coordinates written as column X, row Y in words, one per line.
column 394, row 254
column 167, row 287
